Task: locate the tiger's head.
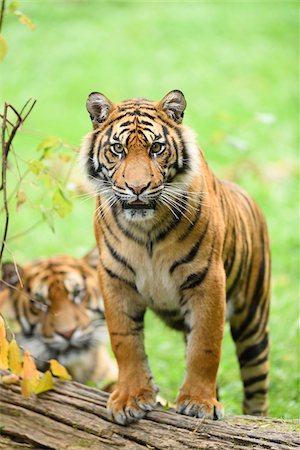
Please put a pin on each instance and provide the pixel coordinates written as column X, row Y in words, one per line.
column 139, row 152
column 58, row 305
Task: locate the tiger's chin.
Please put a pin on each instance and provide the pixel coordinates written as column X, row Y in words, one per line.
column 139, row 215
column 139, row 211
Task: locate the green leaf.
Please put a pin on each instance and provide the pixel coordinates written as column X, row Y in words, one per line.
column 13, row 6
column 3, row 47
column 35, row 166
column 61, row 203
column 47, row 216
column 48, row 144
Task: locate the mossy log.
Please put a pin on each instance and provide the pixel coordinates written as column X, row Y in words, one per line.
column 73, row 416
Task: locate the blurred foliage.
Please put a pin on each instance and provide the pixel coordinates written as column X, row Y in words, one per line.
column 237, row 64
column 19, row 367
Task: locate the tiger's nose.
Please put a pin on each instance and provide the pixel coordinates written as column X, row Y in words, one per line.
column 66, row 334
column 137, row 188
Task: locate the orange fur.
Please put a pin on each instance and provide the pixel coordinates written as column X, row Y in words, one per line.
column 57, row 310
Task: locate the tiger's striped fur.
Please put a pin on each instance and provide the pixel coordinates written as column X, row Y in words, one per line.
column 175, row 239
column 56, row 311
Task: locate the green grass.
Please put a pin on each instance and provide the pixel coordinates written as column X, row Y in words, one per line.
column 232, row 61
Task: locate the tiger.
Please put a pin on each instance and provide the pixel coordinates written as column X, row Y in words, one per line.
column 56, row 307
column 177, row 240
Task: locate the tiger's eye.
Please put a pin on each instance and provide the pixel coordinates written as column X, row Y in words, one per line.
column 117, row 148
column 156, row 148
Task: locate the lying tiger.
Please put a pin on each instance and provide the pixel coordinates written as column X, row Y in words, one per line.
column 175, row 239
column 58, row 305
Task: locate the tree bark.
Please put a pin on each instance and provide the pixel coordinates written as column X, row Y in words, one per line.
column 73, row 416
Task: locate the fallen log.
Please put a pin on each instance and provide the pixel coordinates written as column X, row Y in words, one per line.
column 73, row 416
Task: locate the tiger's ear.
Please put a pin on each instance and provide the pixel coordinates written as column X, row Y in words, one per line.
column 92, row 258
column 98, row 107
column 174, row 105
column 11, row 275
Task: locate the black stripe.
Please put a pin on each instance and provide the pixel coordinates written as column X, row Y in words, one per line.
column 145, row 122
column 92, row 172
column 258, row 362
column 117, row 277
column 193, row 224
column 185, row 165
column 254, row 380
column 124, row 230
column 235, row 281
column 192, row 253
column 195, row 279
column 228, row 266
column 123, row 131
column 260, row 392
column 256, row 297
column 117, row 256
column 176, row 152
column 126, row 124
column 138, row 317
column 175, row 220
column 252, row 352
column 107, row 225
column 171, row 226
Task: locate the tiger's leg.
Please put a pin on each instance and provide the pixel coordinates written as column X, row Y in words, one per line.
column 249, row 329
column 135, row 392
column 205, row 318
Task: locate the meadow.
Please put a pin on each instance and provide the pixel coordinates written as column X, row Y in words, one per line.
column 236, row 63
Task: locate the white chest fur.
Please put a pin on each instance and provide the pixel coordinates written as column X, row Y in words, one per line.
column 156, row 285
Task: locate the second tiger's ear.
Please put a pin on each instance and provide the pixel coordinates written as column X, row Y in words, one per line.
column 174, row 105
column 11, row 275
column 98, row 107
column 92, row 258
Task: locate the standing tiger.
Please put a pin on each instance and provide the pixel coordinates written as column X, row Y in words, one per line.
column 175, row 239
column 56, row 306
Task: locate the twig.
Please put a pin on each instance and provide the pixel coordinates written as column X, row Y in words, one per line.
column 22, row 233
column 2, row 14
column 6, row 147
column 3, row 179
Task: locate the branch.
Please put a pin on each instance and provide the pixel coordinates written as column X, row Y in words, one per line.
column 6, row 147
column 2, row 14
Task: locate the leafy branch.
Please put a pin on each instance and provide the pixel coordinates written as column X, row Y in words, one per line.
column 8, row 133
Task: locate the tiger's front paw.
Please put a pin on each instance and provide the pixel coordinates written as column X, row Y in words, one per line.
column 125, row 407
column 197, row 406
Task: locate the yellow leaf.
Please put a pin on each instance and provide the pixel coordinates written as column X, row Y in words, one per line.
column 3, row 345
column 3, row 47
column 10, row 379
column 15, row 357
column 26, row 388
column 45, row 383
column 25, row 20
column 59, row 371
column 21, row 198
column 30, row 376
column 29, row 368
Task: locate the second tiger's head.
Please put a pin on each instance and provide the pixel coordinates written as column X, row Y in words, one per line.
column 138, row 155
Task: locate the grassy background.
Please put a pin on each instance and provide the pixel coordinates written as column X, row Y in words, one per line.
column 234, row 61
